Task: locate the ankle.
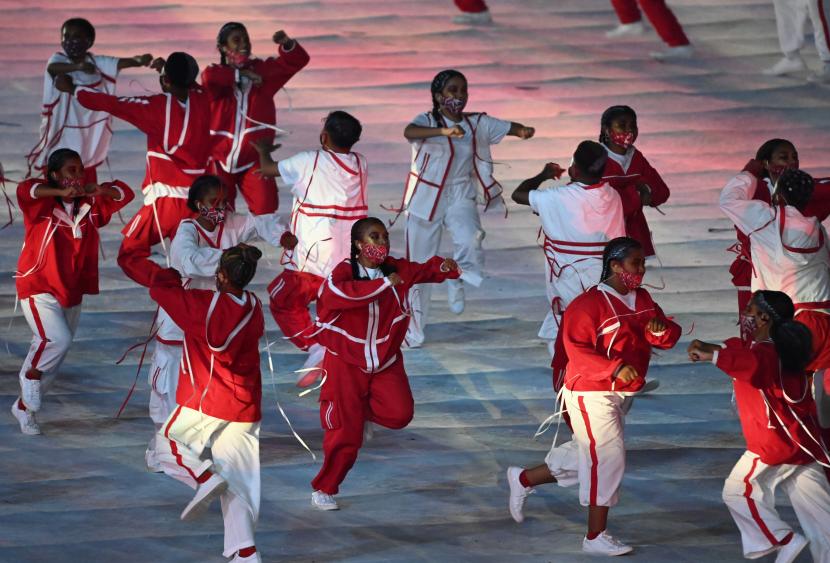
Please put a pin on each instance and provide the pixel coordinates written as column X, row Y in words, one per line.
column 524, row 480
column 20, row 405
column 204, row 477
column 786, row 539
column 247, row 551
column 34, row 374
column 593, row 535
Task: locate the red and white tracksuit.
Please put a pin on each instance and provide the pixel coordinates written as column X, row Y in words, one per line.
column 58, row 265
column 577, row 222
column 66, row 124
column 219, row 398
column 362, row 324
column 603, row 331
column 195, row 254
column 243, row 112
column 783, row 447
column 661, row 17
column 471, row 6
column 789, row 253
column 791, row 19
column 441, row 193
column 624, row 172
column 329, row 196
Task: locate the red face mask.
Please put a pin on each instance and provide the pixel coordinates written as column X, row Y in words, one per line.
column 631, row 280
column 624, row 140
column 375, row 253
column 237, row 59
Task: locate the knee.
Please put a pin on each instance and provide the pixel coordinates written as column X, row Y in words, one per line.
column 401, row 418
column 732, row 491
column 60, row 341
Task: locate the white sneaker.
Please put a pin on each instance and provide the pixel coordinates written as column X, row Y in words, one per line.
column 30, row 389
column 474, row 18
column 205, row 494
column 518, row 493
column 152, row 461
column 28, row 424
column 316, row 353
column 820, row 77
column 323, row 501
column 455, row 296
column 788, row 553
column 605, row 544
column 674, row 53
column 626, row 30
column 255, row 558
column 786, row 65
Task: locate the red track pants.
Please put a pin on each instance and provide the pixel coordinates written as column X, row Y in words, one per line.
column 473, row 6
column 660, row 16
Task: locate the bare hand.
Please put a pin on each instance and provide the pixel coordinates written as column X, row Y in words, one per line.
column 252, row 76
column 289, row 241
column 157, row 64
column 656, row 325
column 455, row 132
column 71, row 191
column 281, row 37
column 552, row 171
column 626, row 374
column 525, row 132
column 394, row 279
column 264, row 146
column 143, row 60
column 64, row 83
column 449, row 265
column 645, row 193
column 92, row 189
column 700, row 351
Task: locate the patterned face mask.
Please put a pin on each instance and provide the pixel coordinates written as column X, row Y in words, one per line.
column 75, row 48
column 75, row 183
column 375, row 253
column 622, row 139
column 631, row 280
column 237, row 58
column 215, row 215
column 453, row 105
column 749, row 324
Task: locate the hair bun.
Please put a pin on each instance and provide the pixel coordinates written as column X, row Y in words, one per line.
column 251, row 254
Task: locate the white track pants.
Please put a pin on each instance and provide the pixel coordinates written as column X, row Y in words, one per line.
column 569, row 282
column 749, row 493
column 457, row 212
column 791, row 20
column 595, row 458
column 234, row 455
column 54, row 328
column 163, row 379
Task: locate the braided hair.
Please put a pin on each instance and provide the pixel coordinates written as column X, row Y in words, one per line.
column 55, row 162
column 793, row 340
column 765, row 151
column 239, row 264
column 609, row 116
column 359, row 229
column 222, row 37
column 617, row 249
column 796, row 186
column 437, row 86
column 201, row 185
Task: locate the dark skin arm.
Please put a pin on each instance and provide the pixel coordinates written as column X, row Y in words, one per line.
column 521, row 194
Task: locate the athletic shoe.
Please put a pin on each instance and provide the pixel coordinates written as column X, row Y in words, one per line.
column 786, row 65
column 822, row 76
column 205, row 494
column 474, row 18
column 323, row 501
column 255, row 558
column 316, row 353
column 674, row 53
column 626, row 30
column 30, row 389
column 152, row 461
column 26, row 418
column 518, row 493
column 605, row 544
column 788, row 553
column 455, row 296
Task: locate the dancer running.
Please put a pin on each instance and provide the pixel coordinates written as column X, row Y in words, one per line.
column 783, row 447
column 450, row 158
column 65, row 122
column 58, row 265
column 790, row 20
column 362, row 316
column 578, row 219
column 243, row 112
column 329, row 188
column 661, row 17
column 219, row 396
column 628, row 171
column 608, row 333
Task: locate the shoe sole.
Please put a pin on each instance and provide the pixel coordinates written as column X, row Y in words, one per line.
column 617, row 554
column 191, row 512
column 324, row 508
column 23, row 430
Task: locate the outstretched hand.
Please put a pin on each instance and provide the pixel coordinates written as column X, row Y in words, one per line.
column 525, row 132
column 157, row 64
column 143, row 60
column 449, row 265
column 700, row 351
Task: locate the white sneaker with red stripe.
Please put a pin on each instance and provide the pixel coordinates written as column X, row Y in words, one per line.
column 323, row 501
column 605, row 544
column 205, row 494
column 518, row 493
column 30, row 390
column 26, row 419
column 255, row 558
column 787, row 553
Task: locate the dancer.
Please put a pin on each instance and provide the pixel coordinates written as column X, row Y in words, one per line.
column 661, row 17
column 609, row 332
column 578, row 219
column 66, row 123
column 362, row 314
column 219, row 396
column 776, row 410
column 473, row 12
column 329, row 188
column 58, row 265
column 790, row 20
column 243, row 90
column 450, row 157
column 628, row 171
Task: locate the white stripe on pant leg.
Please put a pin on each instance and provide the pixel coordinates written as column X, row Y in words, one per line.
column 809, row 493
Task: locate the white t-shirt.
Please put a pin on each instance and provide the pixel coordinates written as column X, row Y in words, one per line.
column 630, row 298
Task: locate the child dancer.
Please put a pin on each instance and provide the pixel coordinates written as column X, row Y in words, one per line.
column 243, row 90
column 578, row 219
column 774, row 404
column 450, row 157
column 195, row 253
column 58, row 265
column 609, row 333
column 329, row 188
column 362, row 315
column 67, row 124
column 628, row 171
column 219, row 396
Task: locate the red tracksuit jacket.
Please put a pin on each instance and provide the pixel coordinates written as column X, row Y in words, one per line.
column 625, row 182
column 759, row 392
column 60, row 252
column 364, row 322
column 231, row 131
column 219, row 375
column 601, row 333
